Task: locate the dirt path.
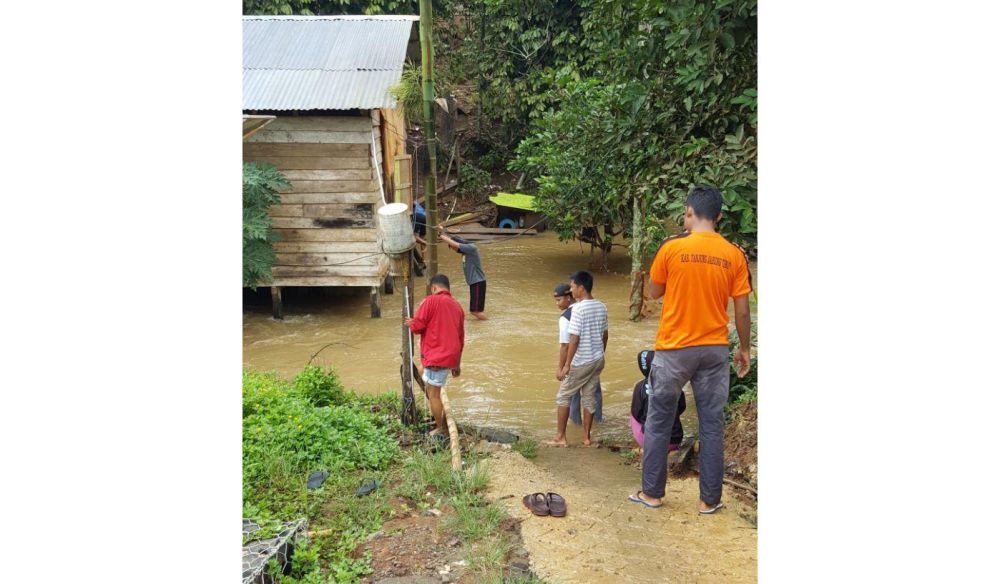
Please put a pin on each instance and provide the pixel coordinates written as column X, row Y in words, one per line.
column 605, row 538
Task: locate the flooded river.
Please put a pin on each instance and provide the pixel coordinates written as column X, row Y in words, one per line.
column 509, row 364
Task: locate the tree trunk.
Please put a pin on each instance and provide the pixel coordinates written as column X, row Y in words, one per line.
column 635, row 250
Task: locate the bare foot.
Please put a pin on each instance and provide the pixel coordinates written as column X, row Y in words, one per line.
column 480, row 315
column 586, row 443
column 560, row 443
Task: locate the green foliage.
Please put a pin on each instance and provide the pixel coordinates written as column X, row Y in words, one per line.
column 745, row 389
column 527, row 447
column 473, row 517
column 409, row 92
column 474, row 180
column 320, row 387
column 286, row 437
column 624, row 100
column 426, row 479
column 523, row 43
column 291, row 429
column 486, row 557
column 280, row 7
column 426, row 472
column 629, row 455
column 581, row 157
column 324, row 7
column 261, row 183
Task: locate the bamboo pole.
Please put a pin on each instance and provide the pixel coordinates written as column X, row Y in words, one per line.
column 456, row 448
column 430, row 181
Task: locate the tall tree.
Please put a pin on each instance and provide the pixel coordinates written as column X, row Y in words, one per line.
column 666, row 100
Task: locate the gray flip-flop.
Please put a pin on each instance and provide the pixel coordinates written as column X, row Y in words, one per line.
column 637, row 499
column 367, row 487
column 316, row 479
column 712, row 510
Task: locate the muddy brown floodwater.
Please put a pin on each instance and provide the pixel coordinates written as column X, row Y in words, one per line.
column 508, row 380
column 509, row 364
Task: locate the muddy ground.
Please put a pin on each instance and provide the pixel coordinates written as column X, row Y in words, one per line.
column 603, row 538
column 606, row 538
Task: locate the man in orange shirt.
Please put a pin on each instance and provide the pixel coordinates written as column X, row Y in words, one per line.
column 699, row 271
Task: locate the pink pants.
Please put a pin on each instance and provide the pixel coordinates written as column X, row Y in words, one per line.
column 637, row 434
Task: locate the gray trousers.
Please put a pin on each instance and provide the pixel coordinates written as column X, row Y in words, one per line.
column 707, row 368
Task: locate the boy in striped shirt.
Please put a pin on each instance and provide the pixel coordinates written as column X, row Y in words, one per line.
column 588, row 339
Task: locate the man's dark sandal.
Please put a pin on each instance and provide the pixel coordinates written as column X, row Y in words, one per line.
column 557, row 505
column 537, row 504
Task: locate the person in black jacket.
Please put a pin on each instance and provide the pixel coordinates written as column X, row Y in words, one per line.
column 640, row 402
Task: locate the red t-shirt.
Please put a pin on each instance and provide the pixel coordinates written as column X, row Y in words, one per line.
column 440, row 322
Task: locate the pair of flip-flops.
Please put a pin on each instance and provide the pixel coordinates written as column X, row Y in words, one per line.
column 545, row 504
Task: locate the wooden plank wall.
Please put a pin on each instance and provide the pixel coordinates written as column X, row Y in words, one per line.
column 327, row 220
column 393, row 144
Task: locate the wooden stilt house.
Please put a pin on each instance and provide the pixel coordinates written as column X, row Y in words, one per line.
column 335, row 133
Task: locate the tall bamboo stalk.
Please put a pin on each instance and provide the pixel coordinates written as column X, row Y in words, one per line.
column 430, row 181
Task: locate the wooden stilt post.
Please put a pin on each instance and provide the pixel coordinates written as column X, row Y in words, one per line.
column 376, row 302
column 408, row 414
column 387, row 287
column 277, row 309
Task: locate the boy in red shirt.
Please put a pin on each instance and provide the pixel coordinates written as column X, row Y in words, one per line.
column 440, row 322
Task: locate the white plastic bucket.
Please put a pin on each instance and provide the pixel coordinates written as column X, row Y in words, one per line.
column 395, row 228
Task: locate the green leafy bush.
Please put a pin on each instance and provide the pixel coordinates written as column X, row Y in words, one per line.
column 261, row 183
column 261, row 389
column 474, row 180
column 320, row 386
column 286, row 437
column 745, row 389
column 409, row 93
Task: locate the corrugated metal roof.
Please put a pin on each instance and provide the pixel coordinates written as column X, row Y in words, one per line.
column 322, row 62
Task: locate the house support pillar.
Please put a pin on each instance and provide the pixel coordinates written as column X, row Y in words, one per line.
column 277, row 309
column 376, row 302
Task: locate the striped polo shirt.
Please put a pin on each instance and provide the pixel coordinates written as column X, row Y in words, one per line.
column 589, row 321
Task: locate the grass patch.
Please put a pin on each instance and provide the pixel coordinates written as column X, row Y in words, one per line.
column 426, row 479
column 423, row 472
column 629, row 455
column 292, row 428
column 487, row 557
column 526, row 447
column 474, row 517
